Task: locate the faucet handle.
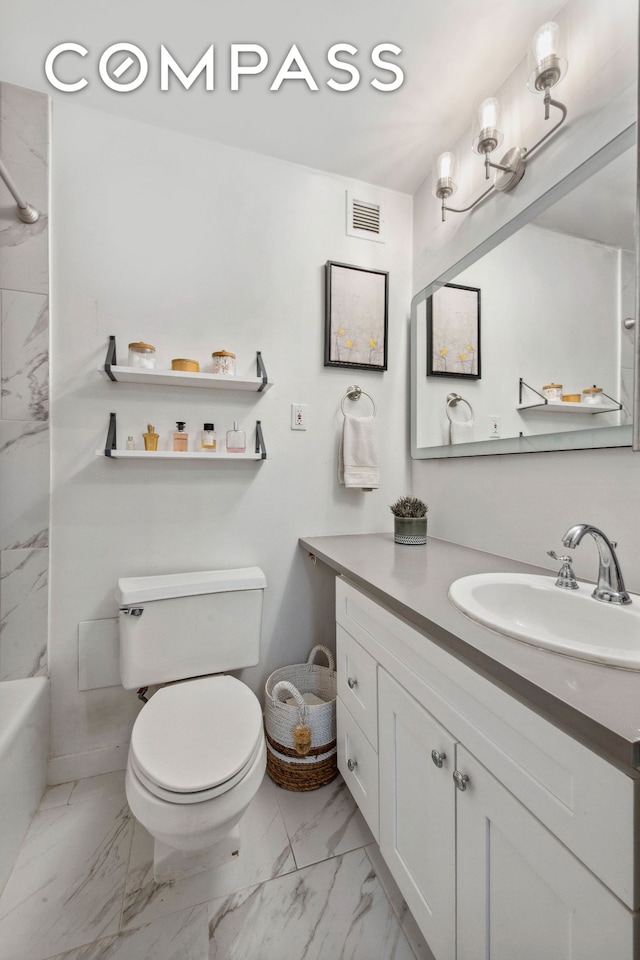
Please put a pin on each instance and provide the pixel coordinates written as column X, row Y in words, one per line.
column 566, row 578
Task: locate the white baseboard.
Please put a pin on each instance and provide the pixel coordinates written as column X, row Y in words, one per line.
column 77, row 766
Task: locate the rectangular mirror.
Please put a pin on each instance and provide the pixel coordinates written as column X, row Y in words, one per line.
column 558, row 302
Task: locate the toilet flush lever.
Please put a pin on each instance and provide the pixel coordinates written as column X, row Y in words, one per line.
column 132, row 611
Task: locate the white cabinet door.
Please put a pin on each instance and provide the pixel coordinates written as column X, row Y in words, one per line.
column 417, row 812
column 521, row 893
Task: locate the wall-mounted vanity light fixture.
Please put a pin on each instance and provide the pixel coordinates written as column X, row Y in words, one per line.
column 548, row 68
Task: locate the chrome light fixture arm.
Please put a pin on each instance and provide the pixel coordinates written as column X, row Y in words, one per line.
column 549, row 70
column 471, row 205
column 549, row 102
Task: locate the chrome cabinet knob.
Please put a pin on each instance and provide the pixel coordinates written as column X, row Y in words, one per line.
column 352, row 764
column 461, row 780
column 438, row 758
column 351, row 683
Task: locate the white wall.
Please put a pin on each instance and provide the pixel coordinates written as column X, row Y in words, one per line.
column 521, row 505
column 196, row 247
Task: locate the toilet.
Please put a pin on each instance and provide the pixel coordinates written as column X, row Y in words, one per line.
column 197, row 755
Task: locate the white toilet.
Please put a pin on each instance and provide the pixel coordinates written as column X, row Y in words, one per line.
column 197, row 754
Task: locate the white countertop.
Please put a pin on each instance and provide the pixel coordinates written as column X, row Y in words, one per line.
column 598, row 705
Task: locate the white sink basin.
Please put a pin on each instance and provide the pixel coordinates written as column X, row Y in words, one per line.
column 532, row 609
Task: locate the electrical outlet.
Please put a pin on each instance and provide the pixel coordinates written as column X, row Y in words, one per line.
column 494, row 428
column 298, row 416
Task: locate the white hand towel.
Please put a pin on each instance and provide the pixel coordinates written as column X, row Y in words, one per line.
column 461, row 431
column 358, row 454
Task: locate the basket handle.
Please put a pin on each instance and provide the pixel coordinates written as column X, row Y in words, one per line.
column 327, row 653
column 295, row 693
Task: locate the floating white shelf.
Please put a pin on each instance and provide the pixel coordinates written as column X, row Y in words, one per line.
column 562, row 406
column 177, row 378
column 177, row 455
column 542, row 405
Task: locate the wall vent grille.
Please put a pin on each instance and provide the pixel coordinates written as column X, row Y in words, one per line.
column 364, row 218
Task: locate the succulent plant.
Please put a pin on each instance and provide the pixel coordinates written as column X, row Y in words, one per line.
column 409, row 507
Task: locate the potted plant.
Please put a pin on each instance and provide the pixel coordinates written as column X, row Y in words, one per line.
column 410, row 520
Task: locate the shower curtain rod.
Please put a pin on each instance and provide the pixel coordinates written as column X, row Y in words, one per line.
column 26, row 212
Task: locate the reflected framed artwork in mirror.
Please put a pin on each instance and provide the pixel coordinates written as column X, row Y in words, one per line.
column 453, row 332
column 356, row 317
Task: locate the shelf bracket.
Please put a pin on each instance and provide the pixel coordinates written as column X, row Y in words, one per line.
column 613, row 400
column 260, row 447
column 261, row 371
column 543, row 399
column 111, row 358
column 111, row 436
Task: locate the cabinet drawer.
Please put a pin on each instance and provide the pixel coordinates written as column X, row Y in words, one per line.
column 355, row 752
column 357, row 684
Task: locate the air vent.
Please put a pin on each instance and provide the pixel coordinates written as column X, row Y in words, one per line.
column 364, row 217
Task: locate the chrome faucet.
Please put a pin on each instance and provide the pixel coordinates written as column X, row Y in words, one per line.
column 610, row 587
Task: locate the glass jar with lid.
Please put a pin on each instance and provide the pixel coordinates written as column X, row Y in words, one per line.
column 592, row 394
column 224, row 362
column 142, row 355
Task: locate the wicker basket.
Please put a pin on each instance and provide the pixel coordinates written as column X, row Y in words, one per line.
column 301, row 736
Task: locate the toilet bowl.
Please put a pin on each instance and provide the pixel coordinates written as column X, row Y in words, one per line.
column 196, row 760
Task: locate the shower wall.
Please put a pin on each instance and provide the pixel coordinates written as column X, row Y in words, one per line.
column 24, row 398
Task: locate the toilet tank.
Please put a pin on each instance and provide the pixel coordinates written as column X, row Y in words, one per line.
column 184, row 625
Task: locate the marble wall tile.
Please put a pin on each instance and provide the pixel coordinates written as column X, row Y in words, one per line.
column 23, row 613
column 334, row 909
column 67, row 885
column 24, row 485
column 265, row 853
column 24, row 356
column 24, row 247
column 322, row 823
column 24, row 118
column 181, row 936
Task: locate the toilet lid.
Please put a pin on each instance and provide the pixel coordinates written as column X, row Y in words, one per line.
column 196, row 735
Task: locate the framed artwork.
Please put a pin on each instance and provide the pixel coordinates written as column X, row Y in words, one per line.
column 356, row 317
column 453, row 332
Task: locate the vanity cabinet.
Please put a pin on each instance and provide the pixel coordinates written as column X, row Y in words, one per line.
column 506, row 837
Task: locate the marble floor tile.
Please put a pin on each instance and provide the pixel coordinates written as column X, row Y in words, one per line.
column 265, row 853
column 398, row 904
column 67, row 885
column 181, row 936
column 336, row 910
column 322, row 823
column 57, row 796
column 104, row 785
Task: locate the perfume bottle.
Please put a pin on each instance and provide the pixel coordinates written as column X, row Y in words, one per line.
column 208, row 439
column 150, row 438
column 130, row 444
column 180, row 437
column 236, row 440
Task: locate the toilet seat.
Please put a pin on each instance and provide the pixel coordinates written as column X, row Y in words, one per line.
column 196, row 740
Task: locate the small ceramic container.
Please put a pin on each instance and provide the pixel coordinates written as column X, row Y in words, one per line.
column 187, row 366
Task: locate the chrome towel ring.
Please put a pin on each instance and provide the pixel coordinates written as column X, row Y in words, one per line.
column 354, row 393
column 453, row 399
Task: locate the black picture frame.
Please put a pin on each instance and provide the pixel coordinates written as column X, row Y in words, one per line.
column 356, row 317
column 453, row 332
